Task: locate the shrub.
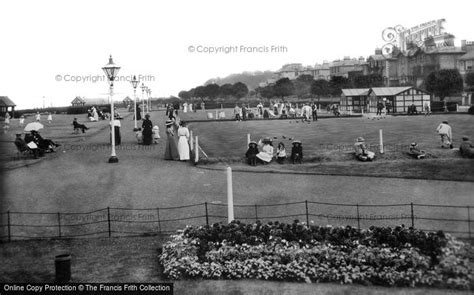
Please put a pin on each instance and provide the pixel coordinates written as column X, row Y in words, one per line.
column 297, row 252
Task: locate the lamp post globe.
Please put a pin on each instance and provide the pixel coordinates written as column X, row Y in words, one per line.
column 135, row 83
column 111, row 70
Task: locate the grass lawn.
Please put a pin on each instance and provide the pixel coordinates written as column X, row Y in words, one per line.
column 330, row 142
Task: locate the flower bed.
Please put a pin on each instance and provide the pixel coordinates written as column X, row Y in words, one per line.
column 298, row 252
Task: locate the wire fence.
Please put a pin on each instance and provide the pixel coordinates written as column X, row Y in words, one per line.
column 113, row 222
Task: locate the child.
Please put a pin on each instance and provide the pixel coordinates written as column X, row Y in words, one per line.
column 251, row 153
column 415, row 152
column 50, row 118
column 297, row 152
column 281, row 153
column 156, row 133
column 139, row 136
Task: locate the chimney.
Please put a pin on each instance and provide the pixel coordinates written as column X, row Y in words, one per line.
column 463, row 44
column 378, row 51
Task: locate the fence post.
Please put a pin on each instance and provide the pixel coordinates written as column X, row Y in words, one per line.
column 9, row 227
column 358, row 217
column 230, row 196
column 307, row 213
column 412, row 216
column 381, row 141
column 108, row 220
column 196, row 151
column 59, row 224
column 256, row 212
column 207, row 215
column 159, row 222
column 191, row 142
column 469, row 221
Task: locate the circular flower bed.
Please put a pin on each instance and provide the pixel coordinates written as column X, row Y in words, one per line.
column 298, row 252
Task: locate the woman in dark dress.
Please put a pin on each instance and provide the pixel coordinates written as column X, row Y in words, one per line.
column 147, row 132
column 171, row 150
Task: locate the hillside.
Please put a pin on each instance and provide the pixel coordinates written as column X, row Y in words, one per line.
column 251, row 79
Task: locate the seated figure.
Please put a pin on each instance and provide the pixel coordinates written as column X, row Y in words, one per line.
column 466, row 148
column 78, row 126
column 297, row 152
column 251, row 153
column 361, row 151
column 415, row 152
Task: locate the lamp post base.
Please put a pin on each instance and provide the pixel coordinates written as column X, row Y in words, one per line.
column 113, row 159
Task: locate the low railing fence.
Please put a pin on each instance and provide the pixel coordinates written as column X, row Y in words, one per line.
column 112, row 222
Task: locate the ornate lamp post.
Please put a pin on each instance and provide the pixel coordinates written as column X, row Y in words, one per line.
column 143, row 87
column 135, row 83
column 111, row 70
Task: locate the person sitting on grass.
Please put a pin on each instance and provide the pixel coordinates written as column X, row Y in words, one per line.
column 297, row 152
column 251, row 153
column 415, row 152
column 79, row 126
column 361, row 151
column 281, row 153
column 466, row 148
column 266, row 155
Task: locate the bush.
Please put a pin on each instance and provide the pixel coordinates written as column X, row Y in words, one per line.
column 298, row 252
column 471, row 110
column 438, row 106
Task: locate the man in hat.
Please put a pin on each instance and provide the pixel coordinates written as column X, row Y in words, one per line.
column 415, row 152
column 251, row 153
column 361, row 151
column 466, row 148
column 444, row 130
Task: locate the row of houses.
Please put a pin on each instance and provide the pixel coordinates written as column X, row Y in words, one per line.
column 407, row 67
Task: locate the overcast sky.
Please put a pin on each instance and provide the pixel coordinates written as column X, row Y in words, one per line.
column 46, row 41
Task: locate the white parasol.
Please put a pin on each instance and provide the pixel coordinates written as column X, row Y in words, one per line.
column 34, row 126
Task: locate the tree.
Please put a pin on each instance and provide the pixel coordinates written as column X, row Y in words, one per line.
column 337, row 83
column 444, row 82
column 200, row 92
column 240, row 90
column 184, row 95
column 266, row 92
column 283, row 87
column 470, row 81
column 303, row 85
column 211, row 91
column 226, row 90
column 320, row 87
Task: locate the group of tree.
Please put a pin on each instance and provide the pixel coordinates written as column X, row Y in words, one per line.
column 213, row 91
column 446, row 82
column 305, row 86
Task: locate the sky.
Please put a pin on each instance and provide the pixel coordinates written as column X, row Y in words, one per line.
column 53, row 51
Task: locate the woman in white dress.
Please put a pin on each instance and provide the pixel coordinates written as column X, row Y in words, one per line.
column 266, row 155
column 183, row 146
column 50, row 118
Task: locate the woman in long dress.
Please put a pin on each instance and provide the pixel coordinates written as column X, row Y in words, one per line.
column 183, row 146
column 147, row 132
column 266, row 155
column 171, row 151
